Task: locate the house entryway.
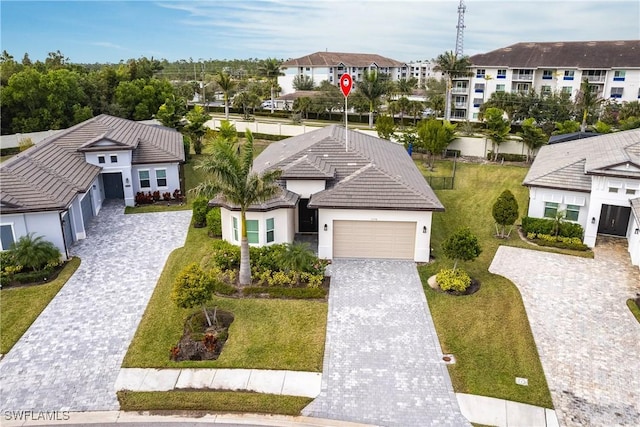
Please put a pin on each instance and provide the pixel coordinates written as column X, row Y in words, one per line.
column 307, row 218
column 614, row 220
column 113, row 187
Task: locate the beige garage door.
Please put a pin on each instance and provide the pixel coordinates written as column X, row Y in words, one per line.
column 374, row 239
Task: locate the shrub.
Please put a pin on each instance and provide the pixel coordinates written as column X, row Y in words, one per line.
column 225, row 255
column 573, row 243
column 505, row 211
column 166, row 196
column 508, row 157
column 200, row 209
column 453, row 280
column 545, row 226
column 297, row 257
column 293, row 293
column 156, row 196
column 461, row 245
column 34, row 253
column 266, row 257
column 193, row 287
column 214, row 222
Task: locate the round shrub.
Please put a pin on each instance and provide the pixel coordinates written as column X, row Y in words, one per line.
column 453, row 280
column 214, row 222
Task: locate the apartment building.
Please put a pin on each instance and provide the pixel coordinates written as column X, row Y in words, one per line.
column 612, row 68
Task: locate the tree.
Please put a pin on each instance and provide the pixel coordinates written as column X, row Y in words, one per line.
column 497, row 128
column 172, row 112
column 372, row 87
column 629, row 109
column 227, row 132
column 197, row 117
column 246, row 101
column 34, row 253
column 231, row 177
column 462, row 245
column 505, row 211
column 193, row 287
column 587, row 101
column 270, row 68
column 602, row 127
column 405, row 86
column 303, row 82
column 434, row 136
column 302, row 106
column 227, row 85
column 415, row 109
column 330, row 97
column 452, row 67
column 385, row 126
column 568, row 126
column 435, row 93
column 532, row 136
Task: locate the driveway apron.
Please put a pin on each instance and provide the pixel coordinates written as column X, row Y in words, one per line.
column 383, row 362
column 587, row 338
column 70, row 356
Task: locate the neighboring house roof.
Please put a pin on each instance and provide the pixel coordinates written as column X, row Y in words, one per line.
column 585, row 55
column 568, row 165
column 555, row 139
column 332, row 59
column 373, row 174
column 49, row 175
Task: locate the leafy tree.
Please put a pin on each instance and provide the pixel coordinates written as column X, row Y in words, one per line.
column 330, row 98
column 452, row 67
column 246, row 101
column 462, row 245
column 172, row 112
column 302, row 106
column 587, row 101
column 303, row 82
column 497, row 128
column 196, row 118
column 403, row 104
column 434, row 136
column 505, row 211
column 227, row 85
column 231, row 176
column 270, row 68
column 192, row 288
column 435, row 93
column 415, row 109
column 33, row 252
column 385, row 126
column 568, row 126
column 140, row 99
column 532, row 136
column 372, row 87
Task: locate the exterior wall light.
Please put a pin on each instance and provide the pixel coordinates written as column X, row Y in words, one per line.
column 637, row 231
column 424, row 229
column 593, row 220
column 126, row 181
column 325, row 227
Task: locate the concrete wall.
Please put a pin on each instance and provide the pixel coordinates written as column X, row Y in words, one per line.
column 479, row 146
column 46, row 224
column 10, row 141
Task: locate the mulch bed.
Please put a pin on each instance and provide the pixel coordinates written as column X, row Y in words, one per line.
column 472, row 289
column 201, row 341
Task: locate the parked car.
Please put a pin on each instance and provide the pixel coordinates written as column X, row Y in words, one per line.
column 267, row 104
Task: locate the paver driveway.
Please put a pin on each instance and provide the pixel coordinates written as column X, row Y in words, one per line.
column 70, row 357
column 383, row 361
column 588, row 340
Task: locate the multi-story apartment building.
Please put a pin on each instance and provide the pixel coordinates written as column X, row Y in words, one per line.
column 423, row 70
column 612, row 68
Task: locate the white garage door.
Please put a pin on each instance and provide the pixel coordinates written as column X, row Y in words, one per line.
column 374, row 239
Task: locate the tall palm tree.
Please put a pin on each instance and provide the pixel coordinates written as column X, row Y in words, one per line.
column 586, row 102
column 372, row 87
column 270, row 68
column 233, row 179
column 452, row 67
column 226, row 85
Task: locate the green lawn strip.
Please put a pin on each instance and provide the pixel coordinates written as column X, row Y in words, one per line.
column 631, row 303
column 266, row 334
column 488, row 332
column 19, row 307
column 213, row 401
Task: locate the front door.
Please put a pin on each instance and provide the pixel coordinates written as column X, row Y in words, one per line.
column 113, row 188
column 307, row 218
column 614, row 220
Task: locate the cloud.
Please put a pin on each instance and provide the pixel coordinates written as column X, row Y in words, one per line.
column 107, row 45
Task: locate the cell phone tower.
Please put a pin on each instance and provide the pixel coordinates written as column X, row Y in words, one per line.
column 460, row 27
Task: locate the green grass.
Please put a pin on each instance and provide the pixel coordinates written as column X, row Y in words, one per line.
column 19, row 307
column 266, row 334
column 212, row 401
column 631, row 303
column 488, row 332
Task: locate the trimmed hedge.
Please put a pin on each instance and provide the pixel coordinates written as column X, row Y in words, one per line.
column 214, row 222
column 573, row 243
column 28, row 277
column 291, row 293
column 545, row 226
column 508, row 157
column 8, row 151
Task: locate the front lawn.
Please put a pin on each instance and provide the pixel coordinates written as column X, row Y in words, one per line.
column 266, row 334
column 488, row 332
column 20, row 306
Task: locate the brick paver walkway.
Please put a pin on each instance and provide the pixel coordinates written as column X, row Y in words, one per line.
column 588, row 340
column 383, row 362
column 70, row 357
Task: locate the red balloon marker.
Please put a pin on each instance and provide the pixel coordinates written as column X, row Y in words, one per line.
column 346, row 82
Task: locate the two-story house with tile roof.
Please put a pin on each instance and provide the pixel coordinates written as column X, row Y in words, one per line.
column 54, row 188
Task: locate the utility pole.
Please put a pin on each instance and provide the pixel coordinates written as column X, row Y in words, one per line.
column 460, row 27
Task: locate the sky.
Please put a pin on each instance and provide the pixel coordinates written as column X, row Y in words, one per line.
column 92, row 31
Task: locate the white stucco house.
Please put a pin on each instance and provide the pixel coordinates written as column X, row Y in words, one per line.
column 364, row 199
column 54, row 188
column 596, row 181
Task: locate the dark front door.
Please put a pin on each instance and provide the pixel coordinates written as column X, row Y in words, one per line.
column 87, row 209
column 66, row 229
column 307, row 218
column 614, row 220
column 113, row 188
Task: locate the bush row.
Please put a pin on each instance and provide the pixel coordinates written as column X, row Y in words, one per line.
column 508, row 157
column 560, row 242
column 546, row 226
column 26, row 277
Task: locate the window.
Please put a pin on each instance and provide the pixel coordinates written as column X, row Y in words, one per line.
column 145, row 182
column 101, row 159
column 630, row 191
column 253, row 231
column 618, row 76
column 550, row 209
column 270, row 230
column 547, row 74
column 569, row 74
column 502, row 74
column 613, row 190
column 616, row 92
column 6, row 236
column 479, row 87
column 572, row 213
column 235, row 228
column 113, row 158
column 480, row 73
column 475, row 115
column 521, row 87
column 477, row 102
column 161, row 177
column 566, row 89
column 545, row 90
column 499, row 88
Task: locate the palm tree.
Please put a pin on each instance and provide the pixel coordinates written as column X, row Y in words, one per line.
column 270, row 68
column 586, row 101
column 227, row 85
column 34, row 253
column 233, row 179
column 372, row 87
column 452, row 67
